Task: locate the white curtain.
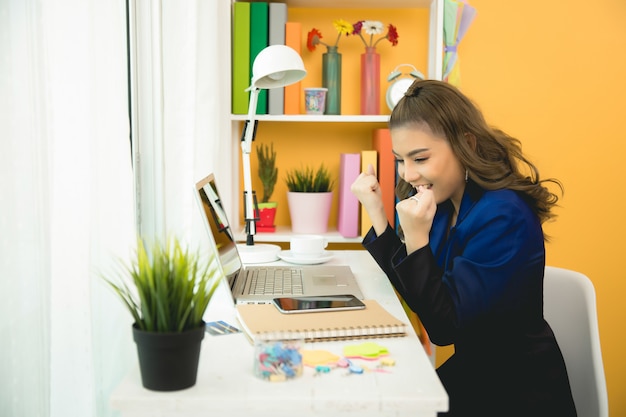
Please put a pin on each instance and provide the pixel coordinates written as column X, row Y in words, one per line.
column 66, row 201
column 188, row 83
column 67, row 205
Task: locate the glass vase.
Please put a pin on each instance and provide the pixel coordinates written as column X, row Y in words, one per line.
column 331, row 79
column 370, row 81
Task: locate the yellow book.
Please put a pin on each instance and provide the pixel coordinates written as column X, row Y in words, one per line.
column 367, row 157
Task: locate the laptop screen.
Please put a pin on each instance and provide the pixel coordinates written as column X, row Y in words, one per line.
column 223, row 236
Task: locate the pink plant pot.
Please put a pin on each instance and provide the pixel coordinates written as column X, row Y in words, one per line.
column 309, row 211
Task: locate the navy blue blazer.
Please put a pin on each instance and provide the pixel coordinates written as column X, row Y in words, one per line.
column 479, row 285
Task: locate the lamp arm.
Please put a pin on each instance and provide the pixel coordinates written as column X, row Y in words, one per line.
column 246, row 148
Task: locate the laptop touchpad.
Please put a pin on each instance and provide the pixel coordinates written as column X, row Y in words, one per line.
column 325, row 280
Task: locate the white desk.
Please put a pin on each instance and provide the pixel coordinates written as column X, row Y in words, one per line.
column 226, row 385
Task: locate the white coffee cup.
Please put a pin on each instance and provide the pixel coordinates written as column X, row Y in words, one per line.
column 308, row 246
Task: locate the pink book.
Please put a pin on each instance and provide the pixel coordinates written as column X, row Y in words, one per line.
column 348, row 216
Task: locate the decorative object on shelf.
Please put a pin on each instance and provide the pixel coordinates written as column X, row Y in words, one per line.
column 167, row 289
column 370, row 62
column 310, row 197
column 331, row 64
column 331, row 79
column 274, row 67
column 370, row 81
column 315, row 100
column 400, row 82
column 268, row 173
column 267, row 217
column 457, row 18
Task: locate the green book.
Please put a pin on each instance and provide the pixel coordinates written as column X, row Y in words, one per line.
column 259, row 40
column 241, row 71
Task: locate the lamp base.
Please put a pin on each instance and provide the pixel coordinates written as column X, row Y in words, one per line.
column 258, row 253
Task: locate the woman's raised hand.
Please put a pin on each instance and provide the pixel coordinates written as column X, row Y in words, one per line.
column 367, row 189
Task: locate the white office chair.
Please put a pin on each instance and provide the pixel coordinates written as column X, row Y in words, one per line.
column 570, row 309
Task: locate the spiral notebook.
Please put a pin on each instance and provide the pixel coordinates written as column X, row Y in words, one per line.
column 264, row 320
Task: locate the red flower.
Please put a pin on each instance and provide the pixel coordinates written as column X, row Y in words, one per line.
column 392, row 35
column 357, row 27
column 313, row 39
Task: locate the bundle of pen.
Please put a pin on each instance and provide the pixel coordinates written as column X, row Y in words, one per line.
column 220, row 327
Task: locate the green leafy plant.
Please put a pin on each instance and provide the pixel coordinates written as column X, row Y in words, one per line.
column 307, row 180
column 268, row 173
column 166, row 287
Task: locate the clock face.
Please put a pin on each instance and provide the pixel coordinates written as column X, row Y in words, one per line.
column 396, row 91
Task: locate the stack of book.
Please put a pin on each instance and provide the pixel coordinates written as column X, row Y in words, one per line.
column 257, row 25
column 352, row 219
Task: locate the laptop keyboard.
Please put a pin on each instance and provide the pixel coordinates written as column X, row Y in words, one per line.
column 278, row 281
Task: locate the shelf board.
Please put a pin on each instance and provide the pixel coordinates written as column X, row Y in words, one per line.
column 355, row 118
column 284, row 234
column 361, row 4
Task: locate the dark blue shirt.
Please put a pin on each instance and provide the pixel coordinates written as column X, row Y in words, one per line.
column 479, row 285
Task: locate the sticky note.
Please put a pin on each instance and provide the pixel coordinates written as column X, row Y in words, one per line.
column 367, row 350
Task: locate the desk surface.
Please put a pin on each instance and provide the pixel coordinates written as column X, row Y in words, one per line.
column 227, row 386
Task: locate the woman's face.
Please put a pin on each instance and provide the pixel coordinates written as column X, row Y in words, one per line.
column 427, row 160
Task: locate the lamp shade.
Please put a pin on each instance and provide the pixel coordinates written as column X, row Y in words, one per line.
column 277, row 66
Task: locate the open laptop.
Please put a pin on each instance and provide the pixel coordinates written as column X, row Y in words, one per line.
column 245, row 281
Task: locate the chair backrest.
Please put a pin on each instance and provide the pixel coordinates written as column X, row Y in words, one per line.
column 570, row 309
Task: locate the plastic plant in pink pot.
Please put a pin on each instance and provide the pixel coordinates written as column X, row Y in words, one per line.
column 310, row 197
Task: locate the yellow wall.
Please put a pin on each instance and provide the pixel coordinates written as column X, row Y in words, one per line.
column 552, row 74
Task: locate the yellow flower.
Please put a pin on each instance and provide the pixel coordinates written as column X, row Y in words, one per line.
column 314, row 36
column 343, row 27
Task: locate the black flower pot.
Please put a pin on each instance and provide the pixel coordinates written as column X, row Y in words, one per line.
column 168, row 361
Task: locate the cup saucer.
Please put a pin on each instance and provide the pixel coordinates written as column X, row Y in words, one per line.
column 288, row 256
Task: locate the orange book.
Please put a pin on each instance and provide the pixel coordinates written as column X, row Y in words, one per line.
column 381, row 142
column 293, row 92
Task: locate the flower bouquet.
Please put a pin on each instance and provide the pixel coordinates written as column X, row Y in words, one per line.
column 370, row 61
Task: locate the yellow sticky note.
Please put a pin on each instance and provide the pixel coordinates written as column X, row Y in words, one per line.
column 318, row 357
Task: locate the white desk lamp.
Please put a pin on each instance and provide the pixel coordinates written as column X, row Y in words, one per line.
column 274, row 67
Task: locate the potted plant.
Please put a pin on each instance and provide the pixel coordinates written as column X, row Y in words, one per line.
column 167, row 289
column 268, row 173
column 310, row 197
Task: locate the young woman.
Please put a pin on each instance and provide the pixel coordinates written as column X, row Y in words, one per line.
column 471, row 256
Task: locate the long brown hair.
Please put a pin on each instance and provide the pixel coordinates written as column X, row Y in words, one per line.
column 491, row 157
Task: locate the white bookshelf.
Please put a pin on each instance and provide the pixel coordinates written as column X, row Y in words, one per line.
column 232, row 195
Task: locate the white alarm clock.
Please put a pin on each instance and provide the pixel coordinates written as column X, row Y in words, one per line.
column 400, row 82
